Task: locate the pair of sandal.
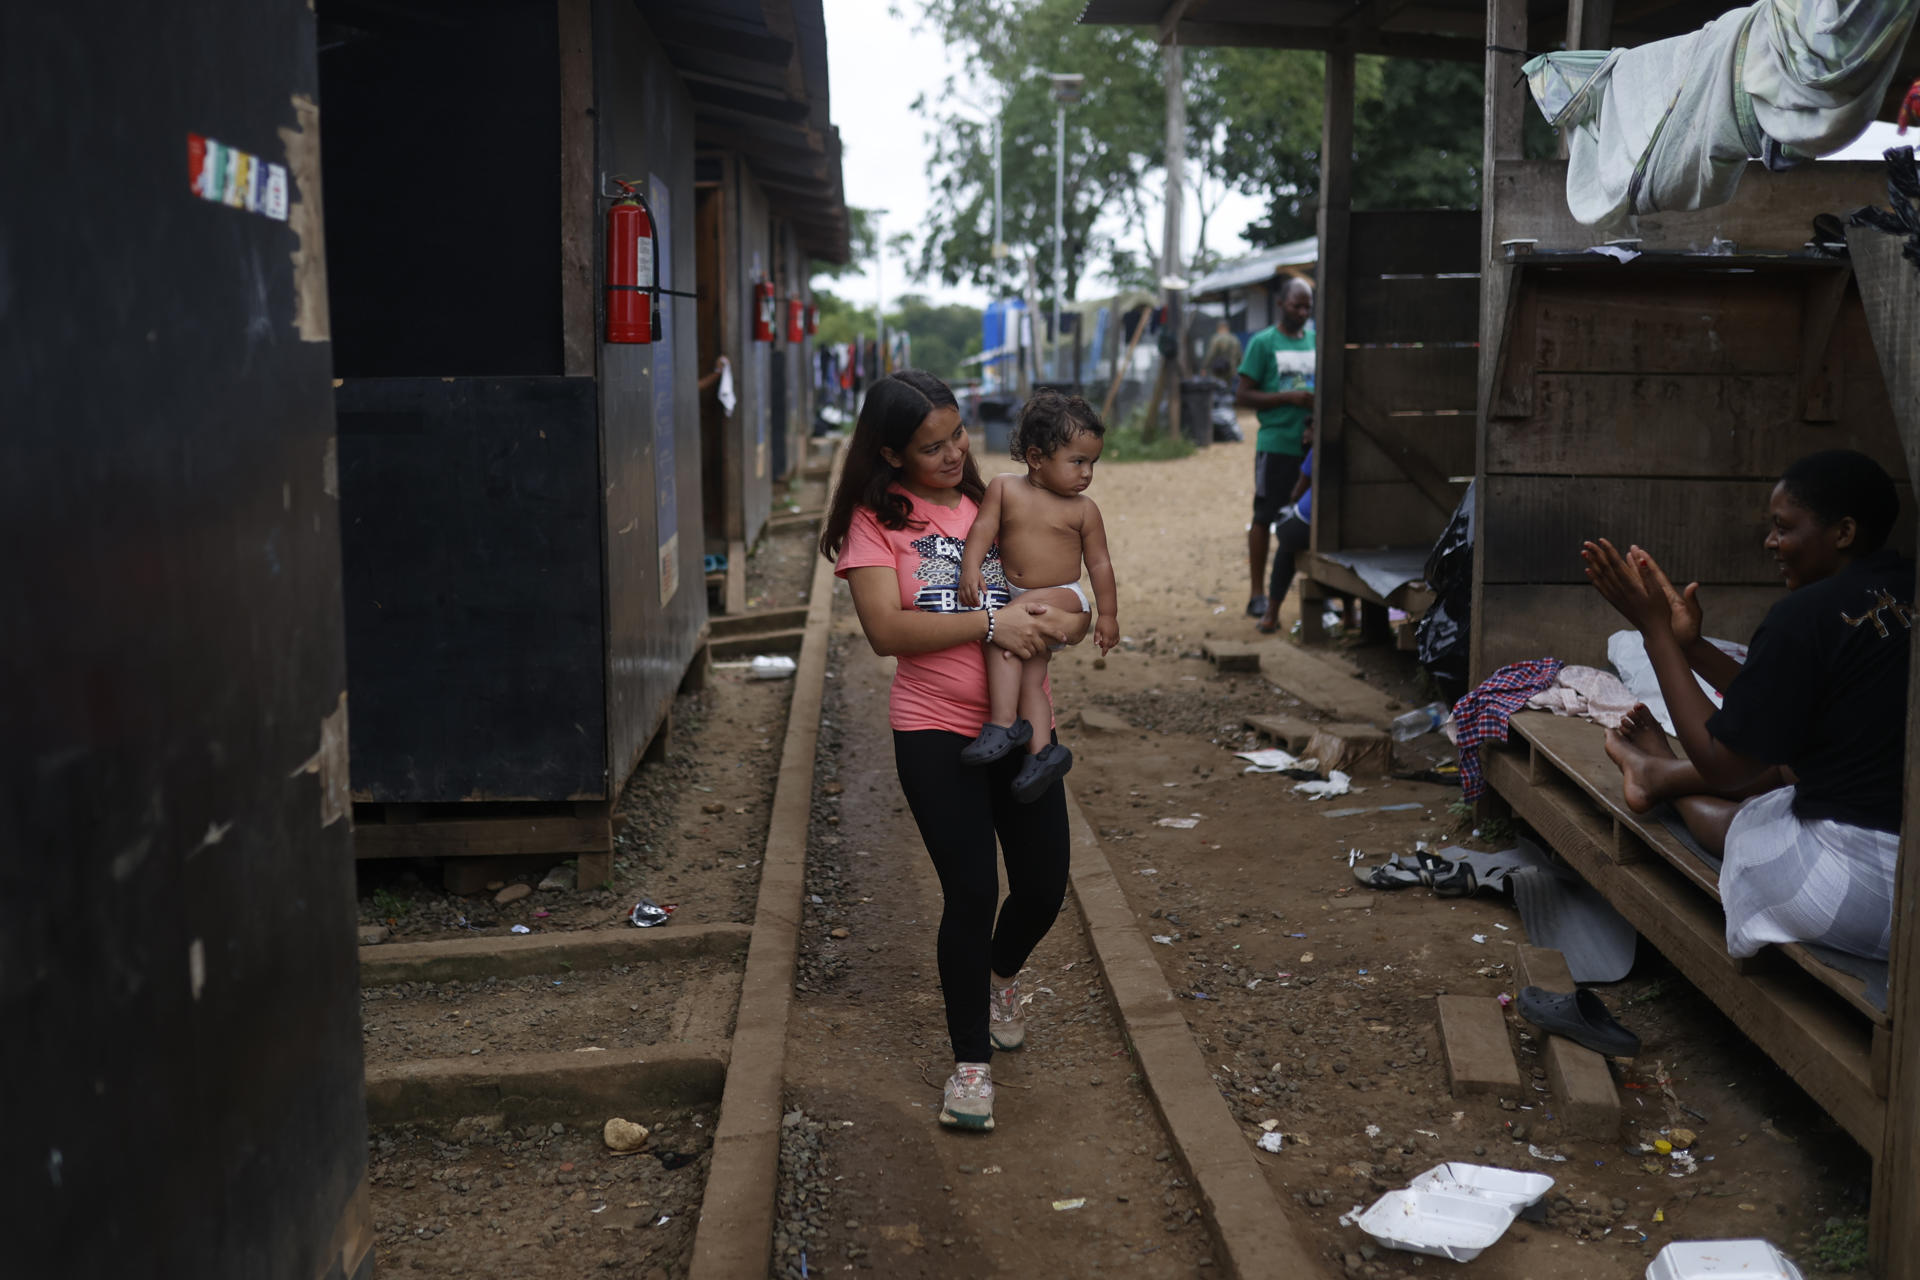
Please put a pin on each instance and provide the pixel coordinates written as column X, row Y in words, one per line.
column 1447, row 879
column 1039, row 771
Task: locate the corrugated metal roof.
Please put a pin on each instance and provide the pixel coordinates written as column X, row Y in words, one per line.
column 1257, row 267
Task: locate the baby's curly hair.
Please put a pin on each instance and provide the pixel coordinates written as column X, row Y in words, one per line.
column 1050, row 419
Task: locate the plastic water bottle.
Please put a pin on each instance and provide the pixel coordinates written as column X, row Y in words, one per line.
column 1427, row 719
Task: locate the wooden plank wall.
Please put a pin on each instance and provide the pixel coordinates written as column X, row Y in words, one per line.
column 1658, row 405
column 1408, row 427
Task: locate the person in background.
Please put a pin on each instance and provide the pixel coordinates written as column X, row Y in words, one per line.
column 1276, row 382
column 1223, row 353
column 1291, row 536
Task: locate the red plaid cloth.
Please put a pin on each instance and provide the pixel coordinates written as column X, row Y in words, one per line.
column 1482, row 715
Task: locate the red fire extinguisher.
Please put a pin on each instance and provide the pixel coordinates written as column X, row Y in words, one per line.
column 796, row 320
column 633, row 271
column 763, row 311
column 813, row 319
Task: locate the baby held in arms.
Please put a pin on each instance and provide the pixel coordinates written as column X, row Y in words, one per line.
column 1046, row 527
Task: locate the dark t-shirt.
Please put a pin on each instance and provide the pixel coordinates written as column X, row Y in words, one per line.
column 1824, row 692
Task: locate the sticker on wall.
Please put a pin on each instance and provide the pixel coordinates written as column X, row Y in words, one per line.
column 238, row 179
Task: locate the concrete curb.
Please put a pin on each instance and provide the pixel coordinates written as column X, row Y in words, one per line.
column 542, row 1087
column 1249, row 1225
column 734, row 1237
column 512, row 956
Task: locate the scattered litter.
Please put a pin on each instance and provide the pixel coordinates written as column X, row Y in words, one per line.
column 1179, row 824
column 1148, row 871
column 647, row 913
column 771, row 666
column 1274, row 760
column 1451, row 1211
column 520, row 928
column 665, row 1218
column 1269, row 1141
column 1372, row 1131
column 1078, row 1202
column 1504, row 998
column 990, row 1169
column 1338, row 813
column 1336, row 784
column 1538, row 1154
column 1688, row 1259
column 541, row 915
column 1256, row 982
column 1165, row 940
column 1502, row 928
column 1479, row 937
column 1353, row 856
column 1683, row 1165
column 1398, row 808
column 1268, row 1126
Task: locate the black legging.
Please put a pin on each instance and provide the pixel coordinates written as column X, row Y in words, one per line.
column 959, row 809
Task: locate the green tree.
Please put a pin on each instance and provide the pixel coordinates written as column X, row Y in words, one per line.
column 943, row 335
column 1114, row 137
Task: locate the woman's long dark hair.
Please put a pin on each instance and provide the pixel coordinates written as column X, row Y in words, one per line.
column 895, row 407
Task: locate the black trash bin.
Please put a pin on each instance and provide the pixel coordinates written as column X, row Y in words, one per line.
column 1196, row 410
column 996, row 413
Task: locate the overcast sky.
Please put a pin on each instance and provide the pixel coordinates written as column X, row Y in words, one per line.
column 877, row 64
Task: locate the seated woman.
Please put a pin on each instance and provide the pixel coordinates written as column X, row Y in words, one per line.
column 1797, row 780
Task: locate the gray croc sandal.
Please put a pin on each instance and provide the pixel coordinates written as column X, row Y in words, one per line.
column 995, row 741
column 1391, row 874
column 1040, row 771
column 1580, row 1017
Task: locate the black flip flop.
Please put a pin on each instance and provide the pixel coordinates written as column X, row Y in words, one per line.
column 1580, row 1017
column 1391, row 874
column 1257, row 607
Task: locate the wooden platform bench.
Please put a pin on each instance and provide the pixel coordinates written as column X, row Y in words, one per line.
column 1816, row 1022
column 1322, row 576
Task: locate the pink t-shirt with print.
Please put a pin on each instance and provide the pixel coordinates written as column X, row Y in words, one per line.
column 945, row 690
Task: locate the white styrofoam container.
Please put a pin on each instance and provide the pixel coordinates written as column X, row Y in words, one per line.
column 1513, row 1187
column 1436, row 1223
column 1749, row 1259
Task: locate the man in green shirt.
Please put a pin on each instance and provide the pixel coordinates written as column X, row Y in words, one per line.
column 1276, row 381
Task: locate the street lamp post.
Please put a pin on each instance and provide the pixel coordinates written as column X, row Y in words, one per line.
column 1066, row 89
column 879, row 297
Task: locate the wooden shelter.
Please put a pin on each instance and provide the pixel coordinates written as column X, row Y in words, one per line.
column 524, row 526
column 1655, row 399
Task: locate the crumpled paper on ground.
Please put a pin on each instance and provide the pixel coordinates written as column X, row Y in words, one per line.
column 1336, row 784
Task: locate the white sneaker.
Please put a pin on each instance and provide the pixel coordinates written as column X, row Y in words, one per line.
column 1005, row 1025
column 968, row 1102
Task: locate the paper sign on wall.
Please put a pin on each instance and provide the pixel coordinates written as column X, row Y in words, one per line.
column 238, row 179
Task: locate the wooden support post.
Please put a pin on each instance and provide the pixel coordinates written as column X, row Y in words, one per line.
column 1330, row 346
column 1503, row 96
column 1589, row 24
column 577, row 182
column 1893, row 1226
column 1175, row 299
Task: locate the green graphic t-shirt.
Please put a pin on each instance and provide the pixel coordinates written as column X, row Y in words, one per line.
column 1276, row 362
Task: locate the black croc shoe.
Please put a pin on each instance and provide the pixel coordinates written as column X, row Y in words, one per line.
column 996, row 741
column 1580, row 1017
column 1041, row 770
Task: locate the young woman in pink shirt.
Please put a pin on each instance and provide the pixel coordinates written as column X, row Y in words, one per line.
column 896, row 531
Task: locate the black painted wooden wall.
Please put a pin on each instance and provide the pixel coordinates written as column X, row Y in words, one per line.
column 178, row 978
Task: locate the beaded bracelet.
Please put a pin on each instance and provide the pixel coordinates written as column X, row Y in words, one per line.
column 992, row 609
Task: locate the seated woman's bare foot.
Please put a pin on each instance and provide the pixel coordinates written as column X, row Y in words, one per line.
column 1640, row 728
column 1636, row 763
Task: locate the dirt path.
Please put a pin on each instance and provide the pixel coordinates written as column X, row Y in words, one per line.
column 867, row 1053
column 1311, row 998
